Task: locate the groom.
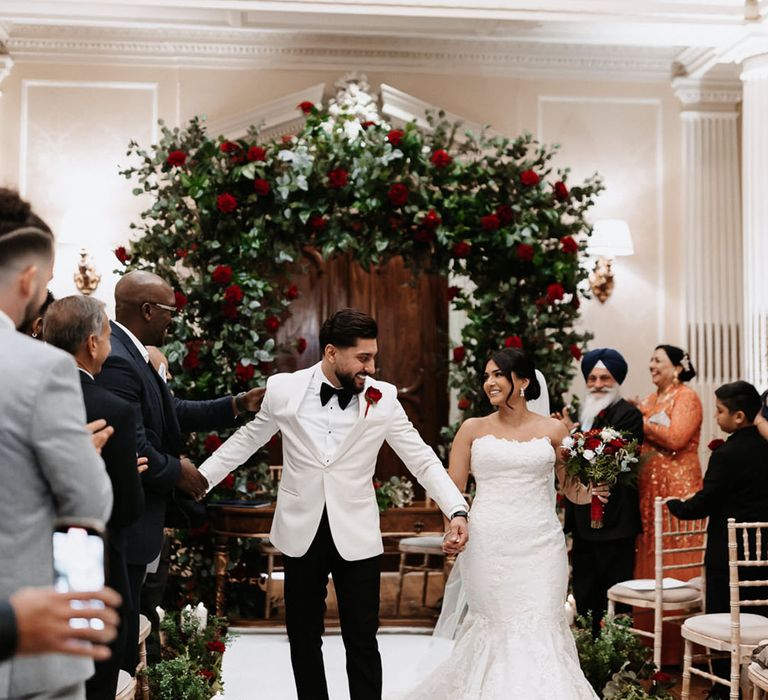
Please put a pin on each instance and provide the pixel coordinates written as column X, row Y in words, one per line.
column 334, row 418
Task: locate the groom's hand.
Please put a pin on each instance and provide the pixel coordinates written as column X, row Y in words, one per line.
column 456, row 538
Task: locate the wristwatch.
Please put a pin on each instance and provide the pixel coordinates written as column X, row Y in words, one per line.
column 460, row 514
column 239, row 402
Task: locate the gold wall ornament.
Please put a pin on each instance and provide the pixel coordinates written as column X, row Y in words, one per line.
column 86, row 277
column 601, row 279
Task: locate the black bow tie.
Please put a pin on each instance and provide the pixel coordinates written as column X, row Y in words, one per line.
column 326, row 391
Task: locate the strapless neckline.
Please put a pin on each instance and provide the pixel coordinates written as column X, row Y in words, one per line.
column 513, row 441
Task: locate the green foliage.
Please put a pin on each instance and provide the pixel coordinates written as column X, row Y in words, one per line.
column 177, row 679
column 616, row 649
column 191, row 665
column 395, row 492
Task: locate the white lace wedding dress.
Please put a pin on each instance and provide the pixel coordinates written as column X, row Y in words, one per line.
column 515, row 643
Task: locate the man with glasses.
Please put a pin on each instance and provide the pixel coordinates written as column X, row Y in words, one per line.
column 144, row 308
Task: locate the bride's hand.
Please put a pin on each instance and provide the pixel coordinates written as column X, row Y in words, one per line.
column 602, row 491
column 455, row 539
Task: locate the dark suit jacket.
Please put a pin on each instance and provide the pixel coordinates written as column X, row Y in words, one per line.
column 622, row 512
column 160, row 419
column 7, row 630
column 735, row 486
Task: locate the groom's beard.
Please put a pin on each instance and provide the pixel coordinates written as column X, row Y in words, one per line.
column 595, row 401
column 347, row 380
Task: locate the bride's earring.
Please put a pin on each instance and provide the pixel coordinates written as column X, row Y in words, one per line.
column 522, row 393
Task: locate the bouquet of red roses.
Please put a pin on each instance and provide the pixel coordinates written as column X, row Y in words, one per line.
column 600, row 456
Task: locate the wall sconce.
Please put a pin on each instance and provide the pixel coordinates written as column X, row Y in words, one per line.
column 610, row 238
column 86, row 277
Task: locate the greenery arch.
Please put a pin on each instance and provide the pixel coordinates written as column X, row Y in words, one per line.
column 228, row 216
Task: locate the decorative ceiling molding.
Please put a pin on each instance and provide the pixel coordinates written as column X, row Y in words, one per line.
column 6, row 65
column 273, row 119
column 708, row 94
column 235, row 48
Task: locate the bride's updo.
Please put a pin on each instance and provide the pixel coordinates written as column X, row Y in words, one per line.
column 511, row 360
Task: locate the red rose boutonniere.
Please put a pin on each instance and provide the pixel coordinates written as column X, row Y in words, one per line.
column 714, row 444
column 372, row 397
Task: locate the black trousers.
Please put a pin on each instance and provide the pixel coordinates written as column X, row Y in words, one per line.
column 130, row 657
column 596, row 567
column 357, row 585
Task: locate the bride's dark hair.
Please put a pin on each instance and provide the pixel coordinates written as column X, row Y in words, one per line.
column 511, row 360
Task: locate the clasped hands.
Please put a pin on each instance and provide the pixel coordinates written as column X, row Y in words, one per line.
column 455, row 540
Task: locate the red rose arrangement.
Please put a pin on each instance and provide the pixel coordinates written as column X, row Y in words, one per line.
column 525, row 252
column 337, row 178
column 569, row 245
column 513, row 341
column 529, row 178
column 561, row 191
column 459, row 353
column 306, row 106
column 555, row 292
column 395, row 136
column 261, row 187
column 575, row 352
column 462, row 249
column 180, row 300
column 226, row 203
column 398, row 194
column 441, row 159
column 222, row 274
column 244, row 373
column 212, row 443
column 301, row 345
column 600, row 456
column 272, row 323
column 122, row 254
column 464, row 403
column 257, row 153
column 490, row 222
column 176, row 158
column 372, row 397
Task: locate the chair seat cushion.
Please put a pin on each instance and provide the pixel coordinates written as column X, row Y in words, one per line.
column 124, row 681
column 684, row 594
column 718, row 626
column 429, row 544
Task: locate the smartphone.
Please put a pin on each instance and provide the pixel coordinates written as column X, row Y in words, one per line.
column 78, row 563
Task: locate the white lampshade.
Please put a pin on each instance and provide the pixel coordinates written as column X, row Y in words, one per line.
column 610, row 238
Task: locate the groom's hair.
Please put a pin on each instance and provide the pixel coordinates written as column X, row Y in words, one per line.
column 345, row 327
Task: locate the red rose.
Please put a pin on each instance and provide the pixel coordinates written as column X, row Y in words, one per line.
column 181, row 253
column 525, row 252
column 229, row 147
column 395, row 136
column 423, row 235
column 317, row 223
column 230, row 311
column 180, row 300
column 561, row 191
column 441, row 159
column 222, row 274
column 661, row 677
column 452, row 292
column 229, row 481
column 233, row 294
column 618, row 443
column 459, row 353
column 265, row 367
column 372, row 395
column 513, row 341
column 217, row 646
column 306, row 106
column 244, row 373
column 592, row 443
column 193, row 246
column 431, row 220
column 555, row 292
column 529, row 178
column 271, row 323
column 490, row 222
column 367, row 124
column 714, row 444
column 575, row 351
column 205, row 673
column 261, row 187
column 292, row 292
column 569, row 245
column 576, row 303
column 398, row 194
column 257, row 153
column 461, row 249
column 610, row 449
column 464, row 403
column 505, row 214
column 337, row 178
column 286, row 138
column 122, row 254
column 301, row 345
column 226, row 203
column 212, row 443
column 176, row 158
column 191, row 359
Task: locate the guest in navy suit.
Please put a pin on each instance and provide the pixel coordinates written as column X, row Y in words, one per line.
column 79, row 325
column 144, row 308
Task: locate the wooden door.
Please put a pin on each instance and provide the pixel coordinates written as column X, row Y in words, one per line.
column 412, row 314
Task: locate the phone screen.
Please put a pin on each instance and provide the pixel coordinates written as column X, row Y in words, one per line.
column 78, row 565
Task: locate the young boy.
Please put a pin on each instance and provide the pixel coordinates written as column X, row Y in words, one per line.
column 735, row 486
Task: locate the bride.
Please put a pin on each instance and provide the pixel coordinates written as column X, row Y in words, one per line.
column 514, row 643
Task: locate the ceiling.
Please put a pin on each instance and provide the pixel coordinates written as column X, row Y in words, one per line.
column 621, row 39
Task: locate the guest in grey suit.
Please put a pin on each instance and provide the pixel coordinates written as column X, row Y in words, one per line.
column 48, row 466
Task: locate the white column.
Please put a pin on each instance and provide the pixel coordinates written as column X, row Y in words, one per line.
column 712, row 231
column 754, row 78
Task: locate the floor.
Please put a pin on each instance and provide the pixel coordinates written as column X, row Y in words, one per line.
column 258, row 663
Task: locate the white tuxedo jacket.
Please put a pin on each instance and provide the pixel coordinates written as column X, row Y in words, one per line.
column 343, row 485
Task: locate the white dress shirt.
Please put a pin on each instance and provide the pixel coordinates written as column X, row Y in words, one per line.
column 6, row 321
column 328, row 425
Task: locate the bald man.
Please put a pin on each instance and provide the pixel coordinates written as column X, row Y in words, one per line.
column 144, row 308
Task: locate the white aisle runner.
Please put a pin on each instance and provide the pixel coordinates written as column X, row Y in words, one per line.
column 258, row 665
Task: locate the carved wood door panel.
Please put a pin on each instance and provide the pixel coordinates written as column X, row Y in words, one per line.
column 413, row 333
